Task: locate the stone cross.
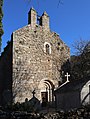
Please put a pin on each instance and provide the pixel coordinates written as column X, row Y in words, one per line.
column 33, row 92
column 67, row 75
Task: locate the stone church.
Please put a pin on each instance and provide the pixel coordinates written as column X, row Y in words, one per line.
column 31, row 62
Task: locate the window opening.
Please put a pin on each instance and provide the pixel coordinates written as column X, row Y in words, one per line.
column 47, row 48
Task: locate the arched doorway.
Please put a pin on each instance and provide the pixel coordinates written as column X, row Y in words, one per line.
column 46, row 92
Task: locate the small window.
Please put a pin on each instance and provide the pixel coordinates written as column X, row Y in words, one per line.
column 47, row 48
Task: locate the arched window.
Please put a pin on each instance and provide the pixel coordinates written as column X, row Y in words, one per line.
column 47, row 48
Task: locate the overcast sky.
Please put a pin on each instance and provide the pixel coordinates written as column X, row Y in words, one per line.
column 71, row 19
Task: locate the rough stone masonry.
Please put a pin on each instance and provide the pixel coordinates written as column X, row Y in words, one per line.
column 38, row 54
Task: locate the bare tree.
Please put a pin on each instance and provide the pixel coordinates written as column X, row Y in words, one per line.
column 79, row 46
column 80, row 64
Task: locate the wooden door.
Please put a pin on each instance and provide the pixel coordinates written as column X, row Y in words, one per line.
column 44, row 96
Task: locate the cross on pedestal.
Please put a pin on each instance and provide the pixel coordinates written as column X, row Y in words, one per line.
column 67, row 75
column 33, row 92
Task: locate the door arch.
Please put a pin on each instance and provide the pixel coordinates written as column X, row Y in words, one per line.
column 46, row 88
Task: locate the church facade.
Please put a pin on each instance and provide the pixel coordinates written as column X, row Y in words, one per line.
column 36, row 56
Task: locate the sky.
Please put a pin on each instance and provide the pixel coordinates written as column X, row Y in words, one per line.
column 70, row 19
